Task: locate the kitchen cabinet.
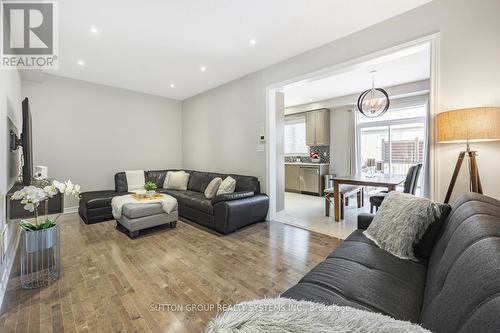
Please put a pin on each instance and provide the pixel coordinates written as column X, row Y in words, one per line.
column 305, row 177
column 292, row 178
column 318, row 127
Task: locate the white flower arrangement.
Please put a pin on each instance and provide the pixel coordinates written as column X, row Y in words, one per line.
column 32, row 196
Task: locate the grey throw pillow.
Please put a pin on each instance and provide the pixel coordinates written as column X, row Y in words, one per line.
column 212, row 187
column 400, row 223
column 227, row 186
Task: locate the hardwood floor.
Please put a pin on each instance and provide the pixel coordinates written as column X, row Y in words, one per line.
column 110, row 283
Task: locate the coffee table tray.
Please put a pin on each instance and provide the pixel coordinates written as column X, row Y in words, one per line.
column 142, row 197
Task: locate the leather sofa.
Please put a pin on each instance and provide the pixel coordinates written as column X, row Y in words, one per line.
column 455, row 289
column 224, row 213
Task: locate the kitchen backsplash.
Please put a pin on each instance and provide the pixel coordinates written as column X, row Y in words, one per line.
column 325, row 158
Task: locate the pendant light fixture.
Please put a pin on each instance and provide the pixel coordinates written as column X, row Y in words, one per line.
column 373, row 102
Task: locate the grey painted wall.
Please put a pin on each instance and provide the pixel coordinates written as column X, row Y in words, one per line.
column 87, row 132
column 226, row 119
column 220, row 129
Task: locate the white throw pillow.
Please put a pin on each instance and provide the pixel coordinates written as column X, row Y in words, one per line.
column 400, row 223
column 177, row 180
column 212, row 188
column 135, row 180
column 228, row 185
column 167, row 176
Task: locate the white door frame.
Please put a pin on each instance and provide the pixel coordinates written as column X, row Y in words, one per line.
column 271, row 161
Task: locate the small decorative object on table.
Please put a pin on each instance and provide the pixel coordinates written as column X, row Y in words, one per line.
column 140, row 197
column 150, row 188
column 370, row 165
column 314, row 157
column 40, row 249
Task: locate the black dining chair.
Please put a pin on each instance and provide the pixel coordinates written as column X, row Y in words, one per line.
column 410, row 186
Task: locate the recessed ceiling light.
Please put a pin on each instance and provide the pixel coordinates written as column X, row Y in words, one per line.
column 252, row 42
column 94, row 30
column 203, row 69
column 80, row 63
column 172, row 85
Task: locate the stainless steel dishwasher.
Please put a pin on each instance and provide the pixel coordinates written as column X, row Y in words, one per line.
column 309, row 179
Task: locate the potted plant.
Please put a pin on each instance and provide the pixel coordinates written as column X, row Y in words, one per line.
column 315, row 158
column 41, row 234
column 150, row 188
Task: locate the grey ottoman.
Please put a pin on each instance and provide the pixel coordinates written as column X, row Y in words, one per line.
column 136, row 217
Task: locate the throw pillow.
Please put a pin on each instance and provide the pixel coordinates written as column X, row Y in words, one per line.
column 177, row 180
column 167, row 177
column 135, row 180
column 400, row 223
column 228, row 185
column 424, row 247
column 213, row 187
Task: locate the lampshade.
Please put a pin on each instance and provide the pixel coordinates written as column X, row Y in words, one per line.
column 473, row 124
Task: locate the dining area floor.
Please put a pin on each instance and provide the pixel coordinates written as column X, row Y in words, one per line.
column 308, row 212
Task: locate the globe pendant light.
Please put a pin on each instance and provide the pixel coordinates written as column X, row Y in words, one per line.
column 373, row 102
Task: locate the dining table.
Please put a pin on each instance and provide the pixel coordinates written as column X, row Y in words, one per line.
column 360, row 179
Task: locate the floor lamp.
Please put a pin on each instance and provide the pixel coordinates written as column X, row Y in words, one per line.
column 468, row 125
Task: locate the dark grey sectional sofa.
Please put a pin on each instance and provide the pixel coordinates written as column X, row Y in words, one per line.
column 455, row 289
column 224, row 213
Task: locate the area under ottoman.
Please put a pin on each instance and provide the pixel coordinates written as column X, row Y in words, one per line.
column 136, row 217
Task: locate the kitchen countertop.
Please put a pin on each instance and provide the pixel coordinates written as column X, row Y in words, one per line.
column 305, row 163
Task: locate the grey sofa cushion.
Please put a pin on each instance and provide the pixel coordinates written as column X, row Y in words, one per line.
column 359, row 274
column 243, row 183
column 156, row 176
column 98, row 199
column 463, row 282
column 121, row 185
column 192, row 199
column 198, row 181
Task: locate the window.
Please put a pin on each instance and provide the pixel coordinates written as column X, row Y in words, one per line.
column 295, row 135
column 397, row 138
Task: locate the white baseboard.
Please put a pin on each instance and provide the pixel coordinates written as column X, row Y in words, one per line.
column 70, row 210
column 7, row 264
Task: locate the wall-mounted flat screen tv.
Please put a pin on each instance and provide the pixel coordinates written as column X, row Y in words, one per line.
column 27, row 143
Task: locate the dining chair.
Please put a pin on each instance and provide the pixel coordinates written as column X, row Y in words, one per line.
column 410, row 186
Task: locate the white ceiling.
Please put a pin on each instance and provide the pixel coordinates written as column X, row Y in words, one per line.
column 147, row 45
column 406, row 66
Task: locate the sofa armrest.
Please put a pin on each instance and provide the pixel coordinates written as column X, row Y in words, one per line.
column 232, row 196
column 234, row 214
column 364, row 220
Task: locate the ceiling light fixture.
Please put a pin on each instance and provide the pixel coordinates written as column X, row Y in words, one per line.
column 373, row 102
column 252, row 42
column 94, row 30
column 80, row 63
column 203, row 69
column 172, row 85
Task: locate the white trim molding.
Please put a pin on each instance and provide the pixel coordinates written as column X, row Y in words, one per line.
column 8, row 262
column 433, row 111
column 70, row 210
